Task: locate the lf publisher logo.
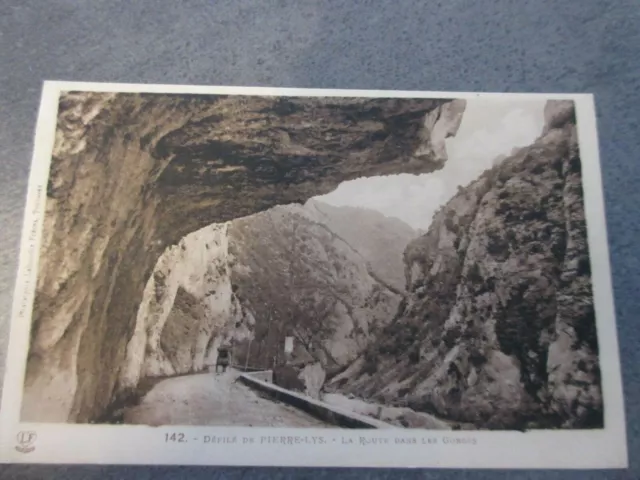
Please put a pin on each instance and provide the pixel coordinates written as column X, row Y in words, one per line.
column 26, row 441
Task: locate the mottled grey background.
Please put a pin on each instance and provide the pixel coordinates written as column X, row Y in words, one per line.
column 459, row 45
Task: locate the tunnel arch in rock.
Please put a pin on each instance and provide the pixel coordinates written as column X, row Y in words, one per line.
column 132, row 173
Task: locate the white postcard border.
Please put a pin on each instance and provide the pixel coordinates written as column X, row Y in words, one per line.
column 126, row 444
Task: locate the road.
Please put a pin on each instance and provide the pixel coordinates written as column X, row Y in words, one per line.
column 210, row 399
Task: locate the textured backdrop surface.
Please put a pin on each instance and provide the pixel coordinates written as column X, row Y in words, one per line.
column 456, row 45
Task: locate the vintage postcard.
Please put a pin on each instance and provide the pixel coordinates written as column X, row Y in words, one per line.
column 257, row 276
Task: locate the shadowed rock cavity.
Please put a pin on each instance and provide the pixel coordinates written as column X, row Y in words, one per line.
column 131, row 174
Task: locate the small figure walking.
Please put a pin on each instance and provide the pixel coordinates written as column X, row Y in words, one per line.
column 223, row 359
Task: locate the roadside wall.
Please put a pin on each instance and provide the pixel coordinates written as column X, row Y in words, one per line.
column 316, row 408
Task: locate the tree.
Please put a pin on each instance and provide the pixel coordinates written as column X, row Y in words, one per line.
column 290, row 290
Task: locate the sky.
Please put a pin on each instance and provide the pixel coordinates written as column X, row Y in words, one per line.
column 490, row 127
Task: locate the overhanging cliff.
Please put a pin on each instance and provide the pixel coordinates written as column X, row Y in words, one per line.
column 131, row 174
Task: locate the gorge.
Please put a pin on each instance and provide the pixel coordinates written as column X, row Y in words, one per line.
column 133, row 173
column 511, row 341
column 179, row 223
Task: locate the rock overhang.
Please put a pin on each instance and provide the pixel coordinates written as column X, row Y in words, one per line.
column 133, row 173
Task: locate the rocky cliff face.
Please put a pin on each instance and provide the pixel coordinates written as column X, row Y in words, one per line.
column 300, row 278
column 272, row 274
column 188, row 309
column 498, row 328
column 380, row 240
column 131, row 174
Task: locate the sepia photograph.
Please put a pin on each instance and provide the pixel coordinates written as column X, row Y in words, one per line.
column 421, row 262
column 302, row 262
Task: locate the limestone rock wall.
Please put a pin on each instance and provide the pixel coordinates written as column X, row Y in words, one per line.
column 187, row 309
column 498, row 328
column 131, row 174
